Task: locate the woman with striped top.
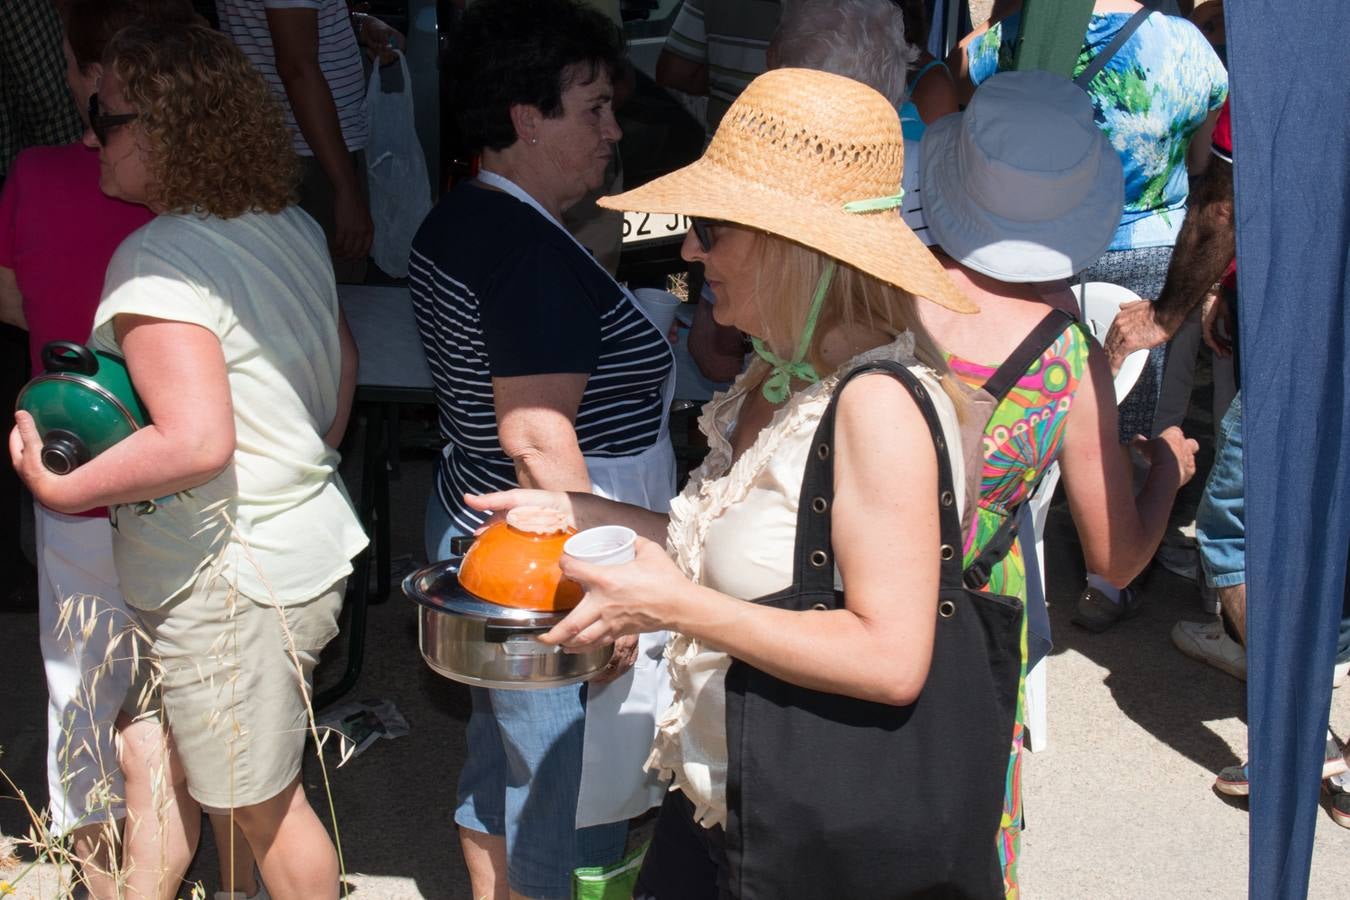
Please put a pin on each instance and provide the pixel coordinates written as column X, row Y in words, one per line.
column 547, row 375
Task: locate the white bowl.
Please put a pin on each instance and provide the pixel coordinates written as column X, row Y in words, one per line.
column 1099, row 301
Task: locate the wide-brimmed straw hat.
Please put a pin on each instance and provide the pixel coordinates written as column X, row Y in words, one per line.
column 1023, row 185
column 791, row 153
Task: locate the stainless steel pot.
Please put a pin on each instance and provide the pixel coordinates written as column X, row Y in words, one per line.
column 470, row 640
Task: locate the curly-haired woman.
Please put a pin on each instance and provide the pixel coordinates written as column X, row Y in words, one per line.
column 233, row 534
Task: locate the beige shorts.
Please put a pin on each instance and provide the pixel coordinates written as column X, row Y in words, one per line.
column 231, row 692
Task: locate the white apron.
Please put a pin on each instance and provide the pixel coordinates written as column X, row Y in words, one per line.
column 621, row 715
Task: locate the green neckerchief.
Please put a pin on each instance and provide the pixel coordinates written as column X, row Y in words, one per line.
column 778, row 385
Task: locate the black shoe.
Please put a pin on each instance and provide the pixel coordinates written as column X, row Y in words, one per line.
column 1097, row 613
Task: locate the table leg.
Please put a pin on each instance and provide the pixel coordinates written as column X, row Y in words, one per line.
column 373, row 472
column 388, row 468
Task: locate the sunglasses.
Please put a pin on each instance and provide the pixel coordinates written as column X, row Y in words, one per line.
column 102, row 124
column 703, row 231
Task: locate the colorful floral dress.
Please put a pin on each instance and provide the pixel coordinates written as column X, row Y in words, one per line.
column 1149, row 99
column 1022, row 439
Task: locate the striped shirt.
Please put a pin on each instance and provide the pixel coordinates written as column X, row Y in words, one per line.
column 245, row 21
column 498, row 290
column 730, row 39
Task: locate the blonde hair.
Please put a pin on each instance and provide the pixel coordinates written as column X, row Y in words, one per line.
column 788, row 273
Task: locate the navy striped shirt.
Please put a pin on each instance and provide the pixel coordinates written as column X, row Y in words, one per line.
column 498, row 290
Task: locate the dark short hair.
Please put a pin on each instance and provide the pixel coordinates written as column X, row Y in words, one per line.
column 508, row 52
column 90, row 24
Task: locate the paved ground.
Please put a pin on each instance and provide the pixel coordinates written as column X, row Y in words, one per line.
column 1119, row 805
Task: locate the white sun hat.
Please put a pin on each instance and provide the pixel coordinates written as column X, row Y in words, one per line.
column 1023, row 185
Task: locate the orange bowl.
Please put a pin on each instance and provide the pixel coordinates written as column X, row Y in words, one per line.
column 515, row 567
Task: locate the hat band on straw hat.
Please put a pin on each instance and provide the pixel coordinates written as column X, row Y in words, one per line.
column 876, row 204
column 793, row 149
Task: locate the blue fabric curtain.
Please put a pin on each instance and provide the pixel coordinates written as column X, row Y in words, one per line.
column 1289, row 69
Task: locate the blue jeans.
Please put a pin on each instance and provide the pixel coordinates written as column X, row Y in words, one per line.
column 1220, row 527
column 1219, row 521
column 522, row 771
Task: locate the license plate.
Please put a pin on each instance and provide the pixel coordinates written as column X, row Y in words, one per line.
column 639, row 227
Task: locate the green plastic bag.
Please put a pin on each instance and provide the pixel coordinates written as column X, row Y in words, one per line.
column 614, row 882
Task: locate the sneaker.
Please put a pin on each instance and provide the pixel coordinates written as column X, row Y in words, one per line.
column 1233, row 779
column 1097, row 613
column 1338, row 798
column 1209, row 643
column 1339, row 674
column 1333, row 763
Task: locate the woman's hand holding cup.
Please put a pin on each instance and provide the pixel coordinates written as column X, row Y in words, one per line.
column 621, row 599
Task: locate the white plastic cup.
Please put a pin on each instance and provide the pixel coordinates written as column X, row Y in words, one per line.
column 608, row 545
column 659, row 305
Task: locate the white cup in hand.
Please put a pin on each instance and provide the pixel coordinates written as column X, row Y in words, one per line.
column 607, row 545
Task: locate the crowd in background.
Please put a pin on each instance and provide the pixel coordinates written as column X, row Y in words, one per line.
column 884, row 246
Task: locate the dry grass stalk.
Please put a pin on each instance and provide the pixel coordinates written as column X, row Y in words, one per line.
column 78, row 617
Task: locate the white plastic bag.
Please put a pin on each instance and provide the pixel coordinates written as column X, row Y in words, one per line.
column 400, row 194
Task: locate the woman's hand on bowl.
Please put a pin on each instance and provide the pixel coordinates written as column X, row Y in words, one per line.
column 502, row 502
column 633, row 598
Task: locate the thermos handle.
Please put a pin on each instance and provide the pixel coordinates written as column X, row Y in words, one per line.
column 68, row 356
column 460, row 545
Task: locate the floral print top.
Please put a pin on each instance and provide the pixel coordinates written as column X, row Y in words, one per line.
column 1149, row 99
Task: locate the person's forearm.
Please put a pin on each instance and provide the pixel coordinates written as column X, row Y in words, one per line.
column 317, row 118
column 590, row 511
column 1205, row 246
column 1184, row 290
column 682, row 74
column 825, row 650
column 346, row 386
column 11, row 301
column 551, row 466
column 716, row 349
column 145, row 466
column 1135, row 541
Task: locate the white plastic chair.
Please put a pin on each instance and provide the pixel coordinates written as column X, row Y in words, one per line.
column 1098, row 302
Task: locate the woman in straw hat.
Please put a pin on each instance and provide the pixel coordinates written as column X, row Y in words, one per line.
column 794, row 204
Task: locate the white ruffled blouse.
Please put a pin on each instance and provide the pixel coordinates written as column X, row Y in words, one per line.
column 733, row 529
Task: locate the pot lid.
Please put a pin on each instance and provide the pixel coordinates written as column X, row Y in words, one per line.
column 437, row 587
